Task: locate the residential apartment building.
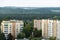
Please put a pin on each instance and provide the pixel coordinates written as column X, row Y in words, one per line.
column 58, row 29
column 12, row 26
column 50, row 27
column 38, row 24
column 44, row 27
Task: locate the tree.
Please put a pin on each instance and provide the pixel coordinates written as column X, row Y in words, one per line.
column 21, row 35
column 2, row 36
column 52, row 38
column 30, row 37
column 37, row 33
column 10, row 37
column 27, row 30
column 6, row 18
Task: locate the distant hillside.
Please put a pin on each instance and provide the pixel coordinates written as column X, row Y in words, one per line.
column 29, row 13
column 29, row 10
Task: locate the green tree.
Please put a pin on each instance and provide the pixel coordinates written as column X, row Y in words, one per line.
column 10, row 37
column 6, row 18
column 27, row 30
column 37, row 33
column 2, row 36
column 52, row 38
column 21, row 35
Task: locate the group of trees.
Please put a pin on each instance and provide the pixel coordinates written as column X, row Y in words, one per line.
column 10, row 37
column 2, row 36
column 37, row 33
column 21, row 35
column 29, row 31
column 52, row 38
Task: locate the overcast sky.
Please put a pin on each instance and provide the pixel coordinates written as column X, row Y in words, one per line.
column 30, row 3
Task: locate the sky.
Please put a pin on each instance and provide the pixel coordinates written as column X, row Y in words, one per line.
column 30, row 3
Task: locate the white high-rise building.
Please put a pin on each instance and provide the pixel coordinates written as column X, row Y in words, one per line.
column 50, row 28
column 58, row 29
column 12, row 26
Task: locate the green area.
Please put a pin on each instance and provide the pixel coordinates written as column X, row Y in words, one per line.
column 10, row 37
column 7, row 13
column 56, row 17
column 2, row 36
column 52, row 38
column 36, row 39
column 21, row 35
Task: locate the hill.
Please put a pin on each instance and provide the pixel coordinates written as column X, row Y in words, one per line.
column 29, row 13
column 29, row 10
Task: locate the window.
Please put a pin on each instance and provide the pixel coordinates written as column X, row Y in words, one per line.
column 5, row 25
column 36, row 25
column 5, row 31
column 21, row 24
column 35, row 21
column 10, row 27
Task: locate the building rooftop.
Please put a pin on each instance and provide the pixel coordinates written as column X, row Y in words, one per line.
column 10, row 21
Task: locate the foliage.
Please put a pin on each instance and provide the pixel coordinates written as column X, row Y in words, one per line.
column 6, row 18
column 37, row 33
column 56, row 17
column 21, row 35
column 24, row 14
column 36, row 39
column 10, row 37
column 27, row 30
column 30, row 37
column 52, row 38
column 2, row 36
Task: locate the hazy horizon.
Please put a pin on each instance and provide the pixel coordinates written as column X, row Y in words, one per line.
column 30, row 3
